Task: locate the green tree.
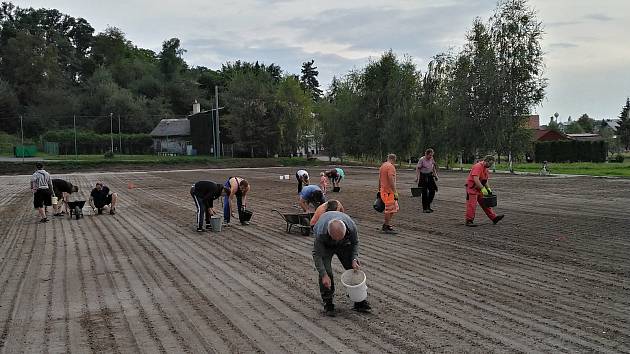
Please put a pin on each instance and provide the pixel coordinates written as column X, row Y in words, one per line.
column 574, row 128
column 308, row 80
column 623, row 131
column 517, row 35
column 293, row 106
column 587, row 123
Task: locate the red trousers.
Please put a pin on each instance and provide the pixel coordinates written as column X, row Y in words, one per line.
column 475, row 196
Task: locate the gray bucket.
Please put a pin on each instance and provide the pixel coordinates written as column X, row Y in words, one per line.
column 215, row 222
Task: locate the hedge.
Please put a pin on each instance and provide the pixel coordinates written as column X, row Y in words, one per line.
column 571, row 151
column 92, row 143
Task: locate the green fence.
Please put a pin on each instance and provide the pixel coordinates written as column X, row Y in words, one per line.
column 25, row 150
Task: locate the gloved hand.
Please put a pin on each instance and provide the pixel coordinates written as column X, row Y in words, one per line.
column 486, row 191
column 395, row 195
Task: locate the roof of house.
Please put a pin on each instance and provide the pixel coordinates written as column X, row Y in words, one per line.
column 548, row 135
column 172, row 127
column 585, row 136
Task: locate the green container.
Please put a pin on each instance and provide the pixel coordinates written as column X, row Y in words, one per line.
column 25, row 150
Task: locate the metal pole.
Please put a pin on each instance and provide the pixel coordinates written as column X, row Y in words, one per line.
column 22, row 130
column 111, row 130
column 119, row 137
column 76, row 152
column 216, row 102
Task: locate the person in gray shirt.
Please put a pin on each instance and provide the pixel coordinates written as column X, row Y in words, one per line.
column 42, row 188
column 335, row 234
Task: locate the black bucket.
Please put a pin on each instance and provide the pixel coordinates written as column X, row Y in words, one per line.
column 245, row 215
column 416, row 192
column 336, row 189
column 489, row 201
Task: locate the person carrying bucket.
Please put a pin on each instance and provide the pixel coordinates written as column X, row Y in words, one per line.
column 204, row 193
column 335, row 234
column 476, row 187
column 426, row 175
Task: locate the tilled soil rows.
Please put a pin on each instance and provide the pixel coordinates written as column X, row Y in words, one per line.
column 553, row 276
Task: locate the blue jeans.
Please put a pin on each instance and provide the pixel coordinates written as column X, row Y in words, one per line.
column 226, row 203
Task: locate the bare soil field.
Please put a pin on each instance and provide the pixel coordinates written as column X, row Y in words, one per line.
column 553, row 276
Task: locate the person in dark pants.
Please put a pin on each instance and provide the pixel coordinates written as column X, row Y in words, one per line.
column 204, row 193
column 239, row 188
column 100, row 197
column 426, row 176
column 41, row 186
column 335, row 234
column 302, row 179
column 62, row 190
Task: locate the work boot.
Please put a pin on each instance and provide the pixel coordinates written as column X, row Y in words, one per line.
column 208, row 227
column 44, row 220
column 389, row 229
column 329, row 307
column 470, row 223
column 362, row 306
column 200, row 229
column 497, row 219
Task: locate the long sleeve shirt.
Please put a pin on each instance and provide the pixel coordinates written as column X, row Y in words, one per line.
column 325, row 244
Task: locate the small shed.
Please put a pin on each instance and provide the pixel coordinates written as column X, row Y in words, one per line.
column 548, row 135
column 171, row 136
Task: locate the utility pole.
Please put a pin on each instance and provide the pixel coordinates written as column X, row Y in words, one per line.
column 216, row 103
column 111, row 130
column 22, row 130
column 119, row 137
column 74, row 122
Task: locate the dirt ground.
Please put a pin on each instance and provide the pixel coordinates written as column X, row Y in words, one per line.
column 553, row 276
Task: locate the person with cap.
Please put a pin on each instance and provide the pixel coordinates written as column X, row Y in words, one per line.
column 42, row 187
column 100, row 197
column 388, row 192
column 204, row 193
column 312, row 195
column 331, row 205
column 335, row 234
column 302, row 178
column 476, row 187
column 238, row 187
column 62, row 190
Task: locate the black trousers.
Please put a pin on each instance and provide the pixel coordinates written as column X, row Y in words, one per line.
column 344, row 253
column 428, row 187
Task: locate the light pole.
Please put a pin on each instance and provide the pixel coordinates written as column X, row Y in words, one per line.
column 74, row 122
column 216, row 104
column 119, row 137
column 111, row 130
column 22, row 131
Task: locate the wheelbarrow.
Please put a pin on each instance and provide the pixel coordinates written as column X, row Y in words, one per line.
column 301, row 221
column 76, row 208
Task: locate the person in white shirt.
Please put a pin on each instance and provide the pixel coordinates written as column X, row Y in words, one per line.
column 41, row 186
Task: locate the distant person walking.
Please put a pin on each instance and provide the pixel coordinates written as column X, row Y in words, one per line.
column 204, row 193
column 302, row 178
column 388, row 192
column 42, row 188
column 323, row 182
column 476, row 185
column 335, row 234
column 426, row 176
column 239, row 187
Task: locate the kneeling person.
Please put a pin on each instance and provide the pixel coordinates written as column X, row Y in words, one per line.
column 335, row 234
column 204, row 193
column 100, row 197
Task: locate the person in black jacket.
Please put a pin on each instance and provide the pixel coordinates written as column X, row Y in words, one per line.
column 204, row 193
column 62, row 190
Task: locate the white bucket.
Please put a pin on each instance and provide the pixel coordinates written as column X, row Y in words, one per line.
column 286, row 177
column 55, row 200
column 215, row 222
column 355, row 283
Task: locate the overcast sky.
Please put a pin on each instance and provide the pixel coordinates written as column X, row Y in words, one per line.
column 586, row 42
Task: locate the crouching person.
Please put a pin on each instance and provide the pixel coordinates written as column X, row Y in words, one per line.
column 335, row 234
column 204, row 193
column 100, row 197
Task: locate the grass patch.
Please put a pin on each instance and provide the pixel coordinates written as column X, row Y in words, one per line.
column 569, row 168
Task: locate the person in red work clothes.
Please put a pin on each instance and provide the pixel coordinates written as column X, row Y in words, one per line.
column 477, row 180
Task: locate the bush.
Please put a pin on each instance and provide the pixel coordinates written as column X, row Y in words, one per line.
column 571, row 151
column 89, row 142
column 109, row 155
column 619, row 158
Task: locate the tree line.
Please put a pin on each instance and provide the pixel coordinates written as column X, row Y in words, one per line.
column 470, row 102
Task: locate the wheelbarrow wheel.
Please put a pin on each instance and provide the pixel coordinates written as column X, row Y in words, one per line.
column 306, row 231
column 77, row 212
